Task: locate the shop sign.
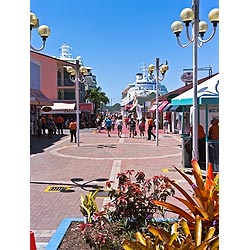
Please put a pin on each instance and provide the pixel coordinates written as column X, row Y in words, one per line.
column 46, row 109
column 187, row 77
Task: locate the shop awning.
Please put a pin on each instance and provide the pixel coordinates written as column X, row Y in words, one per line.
column 176, row 108
column 153, row 108
column 162, row 106
column 207, row 93
column 86, row 107
column 167, row 108
column 61, row 108
column 37, row 97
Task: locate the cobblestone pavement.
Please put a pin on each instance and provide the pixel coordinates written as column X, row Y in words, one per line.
column 55, row 162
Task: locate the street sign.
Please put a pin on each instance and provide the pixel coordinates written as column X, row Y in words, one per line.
column 187, row 77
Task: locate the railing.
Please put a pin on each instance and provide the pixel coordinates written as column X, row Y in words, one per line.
column 211, row 152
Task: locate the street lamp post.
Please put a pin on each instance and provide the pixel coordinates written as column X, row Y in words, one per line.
column 77, row 75
column 43, row 30
column 199, row 28
column 163, row 69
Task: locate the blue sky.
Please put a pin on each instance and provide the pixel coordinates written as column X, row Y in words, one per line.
column 116, row 38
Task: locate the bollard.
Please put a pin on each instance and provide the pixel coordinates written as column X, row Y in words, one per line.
column 32, row 241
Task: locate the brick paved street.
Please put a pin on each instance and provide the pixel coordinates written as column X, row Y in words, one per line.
column 56, row 161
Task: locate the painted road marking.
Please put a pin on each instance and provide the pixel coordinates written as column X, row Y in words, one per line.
column 57, row 153
column 116, row 168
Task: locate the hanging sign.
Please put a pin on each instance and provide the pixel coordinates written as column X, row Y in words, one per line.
column 187, row 77
column 46, row 109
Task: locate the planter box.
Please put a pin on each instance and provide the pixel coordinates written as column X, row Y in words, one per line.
column 57, row 238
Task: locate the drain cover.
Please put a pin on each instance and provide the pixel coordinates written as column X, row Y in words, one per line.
column 57, row 188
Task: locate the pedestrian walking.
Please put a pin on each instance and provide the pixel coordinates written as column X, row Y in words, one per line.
column 44, row 121
column 51, row 127
column 39, row 126
column 126, row 119
column 72, row 129
column 142, row 123
column 108, row 125
column 150, row 128
column 59, row 124
column 98, row 122
column 119, row 124
column 132, row 127
column 113, row 122
column 165, row 125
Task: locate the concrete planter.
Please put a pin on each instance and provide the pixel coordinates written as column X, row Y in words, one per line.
column 57, row 238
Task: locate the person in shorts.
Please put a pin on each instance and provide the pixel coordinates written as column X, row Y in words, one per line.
column 119, row 123
column 132, row 125
column 165, row 125
column 108, row 125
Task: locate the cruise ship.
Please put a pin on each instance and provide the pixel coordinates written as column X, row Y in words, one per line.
column 144, row 87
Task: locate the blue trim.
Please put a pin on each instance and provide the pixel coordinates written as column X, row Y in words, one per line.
column 210, row 100
column 188, row 101
column 57, row 238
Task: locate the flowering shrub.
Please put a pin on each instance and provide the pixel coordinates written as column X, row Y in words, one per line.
column 198, row 227
column 130, row 210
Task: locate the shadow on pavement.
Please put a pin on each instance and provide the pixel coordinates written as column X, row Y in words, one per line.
column 38, row 145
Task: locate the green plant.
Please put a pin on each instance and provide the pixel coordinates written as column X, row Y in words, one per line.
column 180, row 238
column 198, row 228
column 130, row 209
column 204, row 201
column 131, row 203
column 88, row 205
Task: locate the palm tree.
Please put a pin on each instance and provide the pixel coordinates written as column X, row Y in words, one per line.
column 97, row 97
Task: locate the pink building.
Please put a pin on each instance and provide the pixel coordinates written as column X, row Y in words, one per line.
column 50, row 84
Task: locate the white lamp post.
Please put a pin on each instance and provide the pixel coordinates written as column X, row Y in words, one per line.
column 199, row 28
column 163, row 69
column 77, row 76
column 43, row 30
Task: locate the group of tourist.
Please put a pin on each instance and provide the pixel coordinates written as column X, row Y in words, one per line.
column 55, row 125
column 136, row 127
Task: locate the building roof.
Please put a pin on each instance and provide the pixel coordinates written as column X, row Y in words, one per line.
column 170, row 95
